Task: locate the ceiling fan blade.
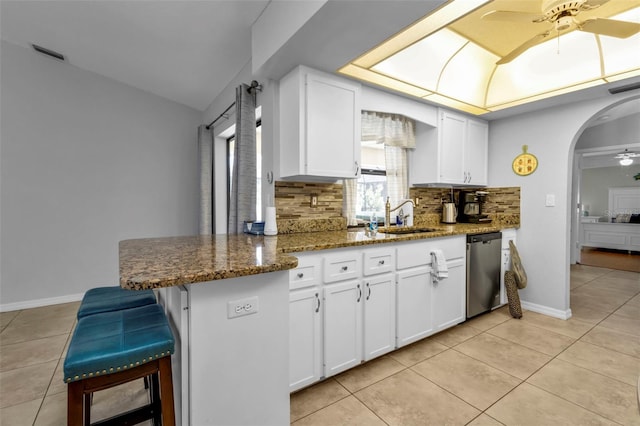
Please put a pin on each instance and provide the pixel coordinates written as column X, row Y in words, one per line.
column 609, row 27
column 592, row 4
column 506, row 15
column 523, row 47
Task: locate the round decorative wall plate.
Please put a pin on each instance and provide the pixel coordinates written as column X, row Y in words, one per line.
column 525, row 163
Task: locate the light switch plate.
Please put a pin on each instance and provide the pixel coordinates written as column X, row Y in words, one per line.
column 550, row 200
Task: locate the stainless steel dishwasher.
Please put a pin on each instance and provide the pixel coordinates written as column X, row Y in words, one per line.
column 483, row 272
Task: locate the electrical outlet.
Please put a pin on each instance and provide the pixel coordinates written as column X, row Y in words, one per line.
column 241, row 307
column 314, row 201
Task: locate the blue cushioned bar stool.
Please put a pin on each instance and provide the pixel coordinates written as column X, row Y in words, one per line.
column 108, row 299
column 112, row 348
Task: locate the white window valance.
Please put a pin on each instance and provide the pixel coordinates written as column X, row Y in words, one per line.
column 388, row 129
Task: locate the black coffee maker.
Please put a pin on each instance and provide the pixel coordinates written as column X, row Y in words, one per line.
column 470, row 207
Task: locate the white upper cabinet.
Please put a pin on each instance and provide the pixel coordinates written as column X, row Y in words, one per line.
column 453, row 153
column 476, row 152
column 319, row 126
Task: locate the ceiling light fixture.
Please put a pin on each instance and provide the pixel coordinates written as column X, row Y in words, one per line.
column 513, row 63
column 626, row 161
column 626, row 157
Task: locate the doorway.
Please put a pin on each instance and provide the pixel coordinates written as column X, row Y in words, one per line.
column 595, row 170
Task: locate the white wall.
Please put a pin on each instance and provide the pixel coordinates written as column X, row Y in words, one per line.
column 543, row 237
column 85, row 162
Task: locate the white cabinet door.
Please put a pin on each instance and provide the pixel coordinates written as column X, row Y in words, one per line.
column 414, row 320
column 449, row 297
column 333, row 126
column 342, row 326
column 379, row 315
column 319, row 116
column 305, row 338
column 453, row 133
column 457, row 150
column 476, row 152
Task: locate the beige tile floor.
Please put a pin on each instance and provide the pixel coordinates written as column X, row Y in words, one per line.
column 491, row 370
column 496, row 370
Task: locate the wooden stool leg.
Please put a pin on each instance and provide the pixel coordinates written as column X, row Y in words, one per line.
column 88, row 402
column 166, row 392
column 156, row 401
column 74, row 404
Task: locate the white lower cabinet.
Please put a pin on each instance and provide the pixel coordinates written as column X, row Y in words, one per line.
column 414, row 320
column 448, row 297
column 305, row 338
column 379, row 315
column 353, row 305
column 342, row 326
column 425, row 306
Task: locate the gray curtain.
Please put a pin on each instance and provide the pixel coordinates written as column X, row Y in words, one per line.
column 205, row 157
column 242, row 204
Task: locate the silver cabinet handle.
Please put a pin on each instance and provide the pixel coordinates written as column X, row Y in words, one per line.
column 369, row 293
column 300, row 274
column 344, row 268
column 359, row 293
column 318, row 300
column 357, row 168
column 469, row 177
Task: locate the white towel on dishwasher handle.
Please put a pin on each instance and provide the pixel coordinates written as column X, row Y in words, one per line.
column 439, row 268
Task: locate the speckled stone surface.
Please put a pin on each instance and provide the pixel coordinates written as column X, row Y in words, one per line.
column 290, row 226
column 312, row 241
column 165, row 262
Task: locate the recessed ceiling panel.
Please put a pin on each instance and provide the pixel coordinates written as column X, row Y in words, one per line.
column 421, row 63
column 505, row 52
column 572, row 59
column 467, row 75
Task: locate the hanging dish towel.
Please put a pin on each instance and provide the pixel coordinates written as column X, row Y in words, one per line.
column 439, row 268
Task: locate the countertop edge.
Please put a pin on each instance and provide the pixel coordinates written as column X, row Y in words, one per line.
column 285, row 262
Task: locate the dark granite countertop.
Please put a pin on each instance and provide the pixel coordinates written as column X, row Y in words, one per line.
column 165, row 262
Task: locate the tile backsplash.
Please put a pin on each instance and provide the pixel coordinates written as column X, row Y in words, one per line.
column 293, row 200
column 505, row 200
column 295, row 214
column 294, row 211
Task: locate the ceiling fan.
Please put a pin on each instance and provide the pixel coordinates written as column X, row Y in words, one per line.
column 626, row 157
column 562, row 14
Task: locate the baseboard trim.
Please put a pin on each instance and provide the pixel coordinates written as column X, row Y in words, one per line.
column 545, row 310
column 37, row 303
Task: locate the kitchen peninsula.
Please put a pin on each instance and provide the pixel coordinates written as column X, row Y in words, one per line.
column 227, row 298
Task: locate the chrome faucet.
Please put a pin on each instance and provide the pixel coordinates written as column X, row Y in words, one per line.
column 388, row 210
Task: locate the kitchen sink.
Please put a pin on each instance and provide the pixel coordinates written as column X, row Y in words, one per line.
column 409, row 230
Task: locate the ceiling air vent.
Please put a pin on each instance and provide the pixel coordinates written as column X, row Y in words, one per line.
column 632, row 86
column 48, row 52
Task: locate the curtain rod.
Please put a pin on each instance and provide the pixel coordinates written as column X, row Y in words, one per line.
column 255, row 86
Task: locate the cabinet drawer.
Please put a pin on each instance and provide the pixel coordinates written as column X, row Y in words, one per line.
column 306, row 274
column 378, row 261
column 414, row 254
column 340, row 267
